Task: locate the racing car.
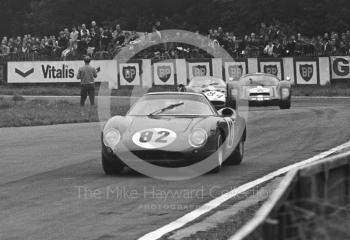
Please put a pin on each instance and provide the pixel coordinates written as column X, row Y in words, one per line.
column 173, row 129
column 261, row 89
column 215, row 89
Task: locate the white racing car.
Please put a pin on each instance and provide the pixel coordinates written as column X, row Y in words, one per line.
column 215, row 89
column 261, row 89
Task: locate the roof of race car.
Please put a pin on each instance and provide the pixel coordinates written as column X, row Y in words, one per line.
column 259, row 74
column 206, row 77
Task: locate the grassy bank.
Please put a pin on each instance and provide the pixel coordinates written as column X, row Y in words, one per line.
column 340, row 89
column 69, row 89
column 18, row 111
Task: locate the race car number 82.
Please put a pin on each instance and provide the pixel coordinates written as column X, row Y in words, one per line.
column 154, row 138
column 147, row 136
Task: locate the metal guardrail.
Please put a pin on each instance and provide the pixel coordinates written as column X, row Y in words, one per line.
column 320, row 188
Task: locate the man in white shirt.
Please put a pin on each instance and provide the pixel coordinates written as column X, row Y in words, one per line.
column 268, row 50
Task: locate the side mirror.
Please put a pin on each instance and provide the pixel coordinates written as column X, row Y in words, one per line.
column 288, row 78
column 228, row 112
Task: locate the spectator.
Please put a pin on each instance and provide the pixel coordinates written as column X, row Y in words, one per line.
column 83, row 45
column 106, row 37
column 74, row 35
column 94, row 40
column 87, row 75
column 62, row 43
column 268, row 50
column 84, row 32
column 157, row 25
column 156, row 35
column 117, row 32
column 66, row 33
column 94, row 26
column 277, row 49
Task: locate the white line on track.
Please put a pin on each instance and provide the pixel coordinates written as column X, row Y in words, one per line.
column 189, row 217
column 320, row 97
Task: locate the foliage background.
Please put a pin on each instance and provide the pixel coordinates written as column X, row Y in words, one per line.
column 241, row 16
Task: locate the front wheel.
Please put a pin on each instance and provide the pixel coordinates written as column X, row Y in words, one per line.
column 237, row 155
column 219, row 156
column 111, row 167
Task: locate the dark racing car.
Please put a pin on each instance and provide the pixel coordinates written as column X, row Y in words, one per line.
column 173, row 129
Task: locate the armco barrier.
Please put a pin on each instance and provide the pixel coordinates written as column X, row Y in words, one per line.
column 293, row 210
column 146, row 73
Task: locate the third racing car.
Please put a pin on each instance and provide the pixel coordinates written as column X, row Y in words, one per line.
column 261, row 89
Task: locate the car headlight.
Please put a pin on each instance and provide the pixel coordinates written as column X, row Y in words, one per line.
column 285, row 92
column 198, row 137
column 111, row 138
column 234, row 92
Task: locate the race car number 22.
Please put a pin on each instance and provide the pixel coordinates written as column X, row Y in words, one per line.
column 154, row 138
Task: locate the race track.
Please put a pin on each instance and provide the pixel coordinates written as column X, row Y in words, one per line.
column 52, row 185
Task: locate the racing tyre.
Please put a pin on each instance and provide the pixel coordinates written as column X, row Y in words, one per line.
column 111, row 168
column 285, row 104
column 219, row 156
column 237, row 155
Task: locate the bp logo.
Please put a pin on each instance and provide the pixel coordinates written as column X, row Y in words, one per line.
column 235, row 71
column 129, row 73
column 306, row 71
column 164, row 73
column 271, row 69
column 199, row 70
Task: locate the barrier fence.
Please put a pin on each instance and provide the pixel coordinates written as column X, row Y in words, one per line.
column 305, row 204
column 148, row 73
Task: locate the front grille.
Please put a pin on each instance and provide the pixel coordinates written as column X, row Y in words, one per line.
column 155, row 155
column 259, row 94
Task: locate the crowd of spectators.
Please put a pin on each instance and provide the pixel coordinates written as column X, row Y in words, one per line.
column 274, row 40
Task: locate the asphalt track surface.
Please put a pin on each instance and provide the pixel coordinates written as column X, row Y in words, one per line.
column 52, row 185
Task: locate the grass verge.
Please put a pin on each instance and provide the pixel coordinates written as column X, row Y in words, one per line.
column 73, row 89
column 15, row 112
column 340, row 89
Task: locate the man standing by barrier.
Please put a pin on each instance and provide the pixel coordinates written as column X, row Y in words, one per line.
column 86, row 75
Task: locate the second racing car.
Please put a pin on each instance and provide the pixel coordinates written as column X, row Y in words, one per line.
column 215, row 89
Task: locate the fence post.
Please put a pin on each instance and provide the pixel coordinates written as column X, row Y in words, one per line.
column 3, row 78
column 270, row 229
column 347, row 183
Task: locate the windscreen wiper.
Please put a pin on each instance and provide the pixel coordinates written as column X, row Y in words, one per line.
column 171, row 106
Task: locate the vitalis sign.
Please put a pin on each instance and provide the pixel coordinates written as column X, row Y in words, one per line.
column 50, row 71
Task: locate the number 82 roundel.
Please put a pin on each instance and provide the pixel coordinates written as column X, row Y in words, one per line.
column 154, row 138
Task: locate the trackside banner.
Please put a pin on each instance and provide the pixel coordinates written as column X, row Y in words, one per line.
column 60, row 71
column 146, row 73
column 340, row 67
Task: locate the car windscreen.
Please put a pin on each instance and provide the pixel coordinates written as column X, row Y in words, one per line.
column 259, row 80
column 204, row 82
column 172, row 105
